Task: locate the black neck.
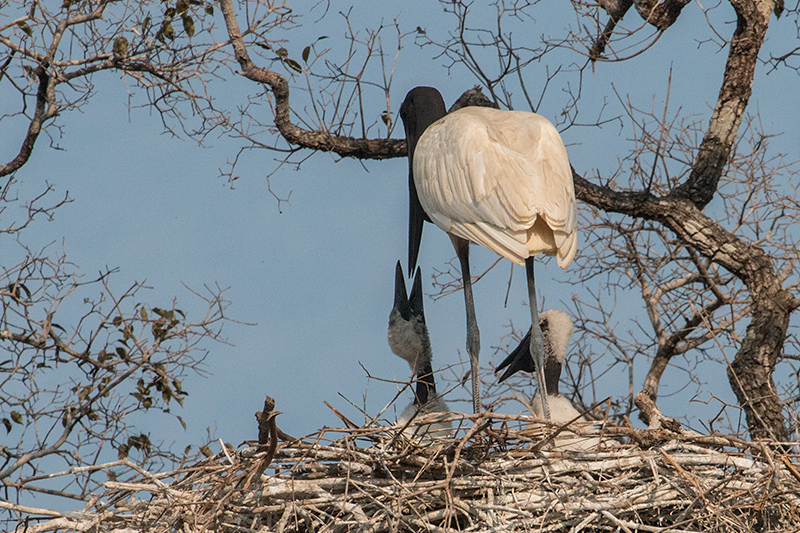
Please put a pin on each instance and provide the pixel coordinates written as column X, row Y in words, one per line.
column 426, row 387
column 422, row 107
column 552, row 374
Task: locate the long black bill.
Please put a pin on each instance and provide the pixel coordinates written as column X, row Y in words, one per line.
column 520, row 359
column 401, row 302
column 415, row 298
column 422, row 107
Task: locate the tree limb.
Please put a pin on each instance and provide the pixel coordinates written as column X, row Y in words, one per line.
column 734, row 94
column 40, row 115
column 314, row 139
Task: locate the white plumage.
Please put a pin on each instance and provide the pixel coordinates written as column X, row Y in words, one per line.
column 437, row 428
column 561, row 409
column 562, row 412
column 557, row 331
column 500, row 179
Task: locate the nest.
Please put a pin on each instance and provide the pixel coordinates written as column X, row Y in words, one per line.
column 495, row 474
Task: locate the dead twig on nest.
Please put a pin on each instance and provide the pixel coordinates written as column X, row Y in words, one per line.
column 490, row 476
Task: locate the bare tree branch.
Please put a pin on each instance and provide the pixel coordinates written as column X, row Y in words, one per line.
column 734, row 94
column 40, row 115
column 318, row 139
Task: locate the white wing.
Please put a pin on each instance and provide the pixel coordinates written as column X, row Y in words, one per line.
column 500, row 179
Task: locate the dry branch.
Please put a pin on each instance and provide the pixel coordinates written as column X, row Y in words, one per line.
column 490, row 478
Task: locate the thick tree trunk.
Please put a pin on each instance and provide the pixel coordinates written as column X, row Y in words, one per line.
column 750, row 372
column 734, row 94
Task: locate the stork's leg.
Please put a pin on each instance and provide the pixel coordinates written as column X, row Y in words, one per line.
column 473, row 334
column 537, row 341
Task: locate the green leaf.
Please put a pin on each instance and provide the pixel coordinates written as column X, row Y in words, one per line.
column 16, row 288
column 306, row 53
column 167, row 30
column 16, row 417
column 142, row 442
column 24, row 27
column 127, row 333
column 182, row 422
column 205, row 450
column 143, row 314
column 182, row 6
column 84, row 393
column 145, row 25
column 122, row 451
column 294, row 65
column 7, row 424
column 778, row 8
column 188, row 25
column 282, row 52
column 120, row 47
column 210, row 10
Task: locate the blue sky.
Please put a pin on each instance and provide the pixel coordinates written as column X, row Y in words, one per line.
column 316, row 277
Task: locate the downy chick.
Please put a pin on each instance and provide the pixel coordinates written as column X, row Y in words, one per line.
column 409, row 340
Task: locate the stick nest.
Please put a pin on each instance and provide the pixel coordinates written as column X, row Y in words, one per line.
column 489, row 477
